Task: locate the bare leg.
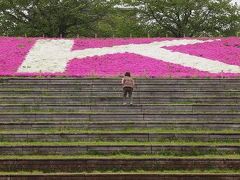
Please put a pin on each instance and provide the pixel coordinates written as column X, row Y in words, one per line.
column 124, row 96
column 131, row 97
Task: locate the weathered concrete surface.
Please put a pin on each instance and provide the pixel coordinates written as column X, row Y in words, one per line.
column 116, row 100
column 118, row 125
column 123, row 177
column 120, row 108
column 73, row 95
column 121, row 164
column 119, row 116
column 113, row 80
column 156, row 93
column 139, row 137
column 110, row 149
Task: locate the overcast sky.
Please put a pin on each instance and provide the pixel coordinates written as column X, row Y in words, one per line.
column 237, row 1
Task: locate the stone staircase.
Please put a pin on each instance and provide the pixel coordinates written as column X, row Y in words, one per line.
column 77, row 128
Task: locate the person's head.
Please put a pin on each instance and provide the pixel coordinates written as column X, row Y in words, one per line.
column 128, row 74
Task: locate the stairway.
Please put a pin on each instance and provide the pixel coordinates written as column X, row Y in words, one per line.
column 77, row 128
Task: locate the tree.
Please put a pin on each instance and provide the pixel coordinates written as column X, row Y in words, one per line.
column 188, row 17
column 121, row 22
column 69, row 18
column 53, row 18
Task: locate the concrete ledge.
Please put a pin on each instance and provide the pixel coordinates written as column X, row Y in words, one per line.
column 109, row 149
column 121, row 108
column 109, row 84
column 117, row 88
column 117, row 100
column 158, row 93
column 118, row 116
column 9, row 78
column 116, row 80
column 118, row 125
column 140, row 137
column 124, row 176
column 118, row 83
column 88, row 165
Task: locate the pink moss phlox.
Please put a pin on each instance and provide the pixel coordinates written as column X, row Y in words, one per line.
column 13, row 51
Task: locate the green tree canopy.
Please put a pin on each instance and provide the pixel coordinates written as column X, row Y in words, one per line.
column 51, row 17
column 122, row 18
column 121, row 22
column 188, row 17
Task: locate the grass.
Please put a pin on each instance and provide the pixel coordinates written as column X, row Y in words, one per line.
column 122, row 113
column 119, row 103
column 118, row 156
column 75, row 120
column 210, row 152
column 124, row 131
column 126, row 124
column 228, row 91
column 106, row 97
column 122, row 143
column 137, row 172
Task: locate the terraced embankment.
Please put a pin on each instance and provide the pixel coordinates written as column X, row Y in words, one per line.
column 69, row 128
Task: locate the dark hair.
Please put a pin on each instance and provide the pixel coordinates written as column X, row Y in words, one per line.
column 128, row 74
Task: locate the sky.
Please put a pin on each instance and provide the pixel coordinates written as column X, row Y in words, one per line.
column 238, row 1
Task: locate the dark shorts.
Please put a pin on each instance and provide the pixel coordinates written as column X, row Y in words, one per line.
column 127, row 91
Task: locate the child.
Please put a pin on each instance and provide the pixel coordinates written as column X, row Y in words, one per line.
column 128, row 85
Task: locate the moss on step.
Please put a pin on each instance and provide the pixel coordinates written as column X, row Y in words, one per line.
column 123, row 143
column 135, row 172
column 118, row 156
column 125, row 131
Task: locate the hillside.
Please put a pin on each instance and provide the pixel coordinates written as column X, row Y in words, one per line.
column 143, row 57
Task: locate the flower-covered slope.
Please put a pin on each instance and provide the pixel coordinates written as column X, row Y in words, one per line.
column 147, row 57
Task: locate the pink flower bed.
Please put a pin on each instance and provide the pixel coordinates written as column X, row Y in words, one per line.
column 14, row 51
column 227, row 50
column 80, row 44
column 116, row 65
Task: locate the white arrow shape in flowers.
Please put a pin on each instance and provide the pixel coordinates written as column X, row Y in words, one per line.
column 52, row 56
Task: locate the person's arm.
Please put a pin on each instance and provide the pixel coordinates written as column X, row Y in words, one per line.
column 133, row 83
column 123, row 81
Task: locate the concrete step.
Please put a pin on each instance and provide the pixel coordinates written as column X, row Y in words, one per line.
column 113, row 116
column 118, row 125
column 86, row 165
column 119, row 89
column 118, row 136
column 120, row 121
column 110, row 149
column 120, row 108
column 108, row 86
column 123, row 176
column 116, row 100
column 95, row 104
column 45, row 92
column 113, row 80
